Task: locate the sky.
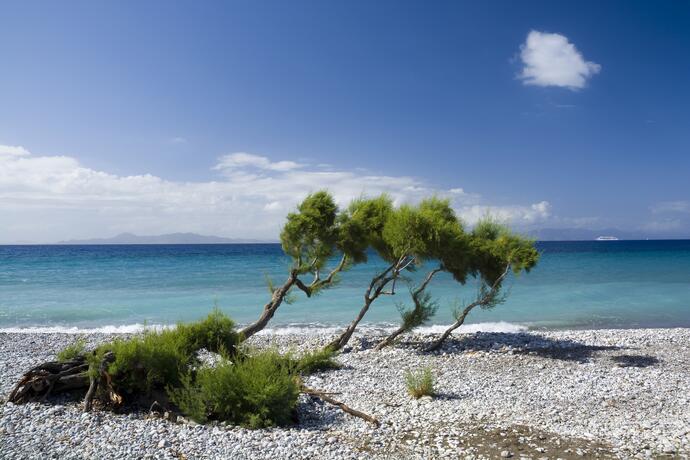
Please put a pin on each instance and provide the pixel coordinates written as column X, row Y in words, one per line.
column 218, row 117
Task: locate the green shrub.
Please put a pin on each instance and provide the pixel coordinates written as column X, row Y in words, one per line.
column 216, row 333
column 420, row 382
column 72, row 351
column 153, row 359
column 316, row 361
column 160, row 358
column 256, row 391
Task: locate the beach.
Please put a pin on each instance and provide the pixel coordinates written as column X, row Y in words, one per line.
column 615, row 393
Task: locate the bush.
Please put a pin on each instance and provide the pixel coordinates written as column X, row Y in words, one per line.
column 316, row 361
column 160, row 358
column 256, row 391
column 72, row 351
column 420, row 382
column 216, row 333
column 154, row 359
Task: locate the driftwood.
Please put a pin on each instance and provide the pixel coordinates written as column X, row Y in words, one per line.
column 355, row 413
column 58, row 377
column 51, row 377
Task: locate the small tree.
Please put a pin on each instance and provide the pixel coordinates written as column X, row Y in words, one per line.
column 409, row 236
column 316, row 233
column 494, row 251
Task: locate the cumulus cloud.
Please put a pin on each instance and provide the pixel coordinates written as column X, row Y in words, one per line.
column 51, row 198
column 13, row 150
column 551, row 60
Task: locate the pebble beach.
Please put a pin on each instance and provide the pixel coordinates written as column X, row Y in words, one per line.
column 540, row 394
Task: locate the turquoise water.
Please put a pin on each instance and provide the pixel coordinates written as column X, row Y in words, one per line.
column 576, row 284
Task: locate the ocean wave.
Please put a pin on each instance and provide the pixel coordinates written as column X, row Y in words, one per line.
column 288, row 329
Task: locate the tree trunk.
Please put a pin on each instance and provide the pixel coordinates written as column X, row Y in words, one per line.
column 390, row 339
column 342, row 406
column 461, row 319
column 415, row 296
column 342, row 340
column 270, row 308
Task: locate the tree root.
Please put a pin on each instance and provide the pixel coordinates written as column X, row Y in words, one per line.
column 355, row 413
column 49, row 378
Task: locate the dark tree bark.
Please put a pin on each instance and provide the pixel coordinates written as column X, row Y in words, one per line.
column 483, row 300
column 415, row 296
column 341, row 405
column 50, row 378
column 373, row 292
column 280, row 293
column 270, row 308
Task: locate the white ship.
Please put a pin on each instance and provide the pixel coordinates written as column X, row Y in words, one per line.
column 607, row 238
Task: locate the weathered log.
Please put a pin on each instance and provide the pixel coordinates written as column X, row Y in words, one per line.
column 51, row 377
column 355, row 413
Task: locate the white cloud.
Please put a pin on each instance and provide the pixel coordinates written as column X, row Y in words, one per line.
column 178, row 140
column 52, row 198
column 241, row 160
column 671, row 207
column 12, row 150
column 551, row 60
column 515, row 215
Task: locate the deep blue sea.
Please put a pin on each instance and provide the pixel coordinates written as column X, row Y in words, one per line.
column 619, row 284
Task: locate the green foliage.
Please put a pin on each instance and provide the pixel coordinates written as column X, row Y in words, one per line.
column 256, row 391
column 155, row 359
column 309, row 235
column 424, row 309
column 152, row 359
column 361, row 226
column 216, row 333
column 420, row 382
column 72, row 351
column 315, row 361
column 494, row 246
column 424, row 232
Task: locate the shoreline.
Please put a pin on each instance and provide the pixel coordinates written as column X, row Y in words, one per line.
column 322, row 329
column 615, row 393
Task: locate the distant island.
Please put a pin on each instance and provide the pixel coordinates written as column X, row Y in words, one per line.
column 170, row 238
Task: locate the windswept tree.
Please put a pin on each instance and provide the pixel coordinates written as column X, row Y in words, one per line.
column 404, row 238
column 316, row 234
column 494, row 252
column 448, row 245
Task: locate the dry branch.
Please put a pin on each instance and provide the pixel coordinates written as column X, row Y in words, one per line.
column 355, row 413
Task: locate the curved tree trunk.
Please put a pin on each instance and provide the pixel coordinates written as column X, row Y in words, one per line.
column 270, row 308
column 375, row 289
column 415, row 296
column 484, row 300
column 343, row 338
column 390, row 339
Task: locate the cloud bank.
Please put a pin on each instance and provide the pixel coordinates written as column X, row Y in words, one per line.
column 551, row 60
column 51, row 198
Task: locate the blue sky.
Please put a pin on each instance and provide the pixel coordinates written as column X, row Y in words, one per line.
column 215, row 117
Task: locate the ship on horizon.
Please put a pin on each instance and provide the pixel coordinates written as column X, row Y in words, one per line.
column 606, row 238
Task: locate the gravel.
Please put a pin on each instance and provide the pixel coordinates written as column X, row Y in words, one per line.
column 555, row 394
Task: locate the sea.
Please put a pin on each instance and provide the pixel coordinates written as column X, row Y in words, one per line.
column 110, row 288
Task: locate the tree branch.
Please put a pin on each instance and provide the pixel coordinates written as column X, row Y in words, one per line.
column 491, row 293
column 324, row 396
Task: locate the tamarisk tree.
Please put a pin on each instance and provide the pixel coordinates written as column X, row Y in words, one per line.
column 404, row 238
column 316, row 234
column 495, row 252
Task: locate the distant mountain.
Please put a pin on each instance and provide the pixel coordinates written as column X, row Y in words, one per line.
column 171, row 238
